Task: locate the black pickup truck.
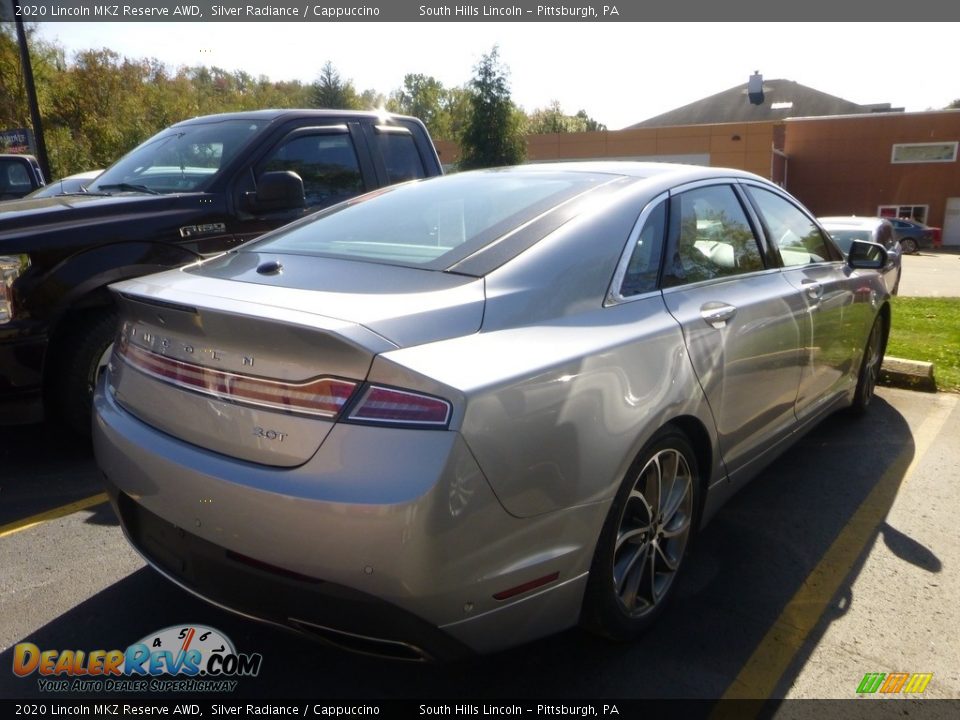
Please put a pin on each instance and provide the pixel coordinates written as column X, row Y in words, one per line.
column 194, row 190
column 19, row 175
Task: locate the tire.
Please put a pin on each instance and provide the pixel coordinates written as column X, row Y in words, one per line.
column 909, row 246
column 645, row 539
column 83, row 356
column 870, row 366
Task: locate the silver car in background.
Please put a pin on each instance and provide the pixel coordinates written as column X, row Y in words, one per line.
column 457, row 415
column 844, row 230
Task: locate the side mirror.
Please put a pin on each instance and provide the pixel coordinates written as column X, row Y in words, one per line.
column 865, row 255
column 277, row 190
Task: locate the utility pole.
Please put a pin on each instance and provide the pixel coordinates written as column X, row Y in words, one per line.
column 27, row 69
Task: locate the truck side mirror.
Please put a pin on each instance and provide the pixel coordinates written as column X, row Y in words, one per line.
column 277, row 190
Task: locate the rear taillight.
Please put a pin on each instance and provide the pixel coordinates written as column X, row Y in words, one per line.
column 320, row 397
column 323, row 397
column 390, row 406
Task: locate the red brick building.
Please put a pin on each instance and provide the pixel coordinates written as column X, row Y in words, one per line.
column 899, row 164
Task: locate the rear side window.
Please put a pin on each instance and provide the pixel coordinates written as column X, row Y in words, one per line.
column 644, row 264
column 797, row 237
column 710, row 237
column 400, row 155
column 327, row 164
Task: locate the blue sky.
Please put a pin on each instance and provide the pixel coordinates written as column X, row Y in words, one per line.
column 620, row 73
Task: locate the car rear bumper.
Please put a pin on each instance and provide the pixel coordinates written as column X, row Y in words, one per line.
column 411, row 577
column 333, row 613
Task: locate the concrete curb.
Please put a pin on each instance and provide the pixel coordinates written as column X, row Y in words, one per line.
column 910, row 374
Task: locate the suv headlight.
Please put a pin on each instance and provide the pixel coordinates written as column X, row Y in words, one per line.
column 11, row 267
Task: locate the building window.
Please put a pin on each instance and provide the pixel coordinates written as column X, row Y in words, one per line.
column 908, row 212
column 924, row 152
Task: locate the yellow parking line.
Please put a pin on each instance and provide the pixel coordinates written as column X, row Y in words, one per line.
column 759, row 677
column 62, row 511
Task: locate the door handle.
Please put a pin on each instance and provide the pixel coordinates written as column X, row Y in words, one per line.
column 716, row 314
column 813, row 289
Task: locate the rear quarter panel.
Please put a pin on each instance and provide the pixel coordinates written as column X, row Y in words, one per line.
column 558, row 393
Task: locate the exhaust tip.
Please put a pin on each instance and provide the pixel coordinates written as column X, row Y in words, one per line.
column 362, row 644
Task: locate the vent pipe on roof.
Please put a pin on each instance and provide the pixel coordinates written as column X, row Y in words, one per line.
column 755, row 88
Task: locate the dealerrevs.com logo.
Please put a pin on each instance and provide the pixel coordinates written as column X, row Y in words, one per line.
column 180, row 658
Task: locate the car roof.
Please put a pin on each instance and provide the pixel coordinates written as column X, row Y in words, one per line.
column 852, row 221
column 271, row 115
column 670, row 174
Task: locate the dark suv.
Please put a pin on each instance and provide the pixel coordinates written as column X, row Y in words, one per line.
column 192, row 191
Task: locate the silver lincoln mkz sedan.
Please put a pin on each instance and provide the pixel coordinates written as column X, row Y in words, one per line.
column 456, row 415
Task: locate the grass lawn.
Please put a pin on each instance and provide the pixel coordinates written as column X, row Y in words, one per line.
column 928, row 329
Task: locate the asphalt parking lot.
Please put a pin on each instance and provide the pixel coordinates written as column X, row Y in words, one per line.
column 931, row 273
column 840, row 560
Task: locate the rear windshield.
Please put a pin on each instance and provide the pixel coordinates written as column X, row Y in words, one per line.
column 433, row 223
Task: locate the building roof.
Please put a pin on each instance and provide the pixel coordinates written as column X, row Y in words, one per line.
column 782, row 99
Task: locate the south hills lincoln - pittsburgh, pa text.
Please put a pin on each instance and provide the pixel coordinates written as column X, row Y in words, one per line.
column 465, row 11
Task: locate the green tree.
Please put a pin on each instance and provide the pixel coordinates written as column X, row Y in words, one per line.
column 493, row 134
column 589, row 124
column 421, row 96
column 371, row 100
column 453, row 118
column 552, row 119
column 955, row 105
column 443, row 110
column 331, row 91
column 13, row 108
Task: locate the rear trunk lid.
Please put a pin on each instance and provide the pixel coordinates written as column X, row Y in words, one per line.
column 258, row 366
